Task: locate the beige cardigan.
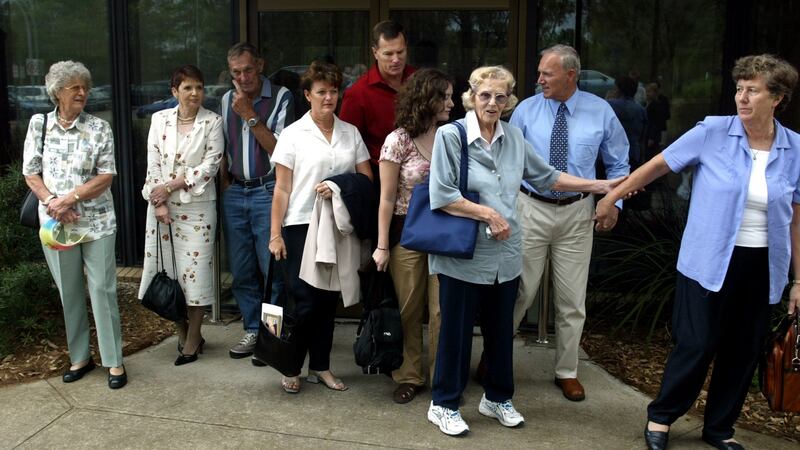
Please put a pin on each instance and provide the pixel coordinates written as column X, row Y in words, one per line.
column 332, row 251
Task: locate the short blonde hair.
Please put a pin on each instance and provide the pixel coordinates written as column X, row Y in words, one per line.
column 484, row 73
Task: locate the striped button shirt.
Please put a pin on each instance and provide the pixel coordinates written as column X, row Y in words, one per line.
column 246, row 158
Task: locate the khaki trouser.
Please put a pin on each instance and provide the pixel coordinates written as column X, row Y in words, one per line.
column 564, row 233
column 67, row 266
column 413, row 286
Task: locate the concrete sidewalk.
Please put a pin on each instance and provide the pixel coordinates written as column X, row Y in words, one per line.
column 219, row 402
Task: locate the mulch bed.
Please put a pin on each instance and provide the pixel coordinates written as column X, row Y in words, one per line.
column 627, row 356
column 49, row 357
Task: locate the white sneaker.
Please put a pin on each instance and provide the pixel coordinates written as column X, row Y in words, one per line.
column 502, row 411
column 448, row 420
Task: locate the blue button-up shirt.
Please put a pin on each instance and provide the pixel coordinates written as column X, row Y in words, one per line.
column 719, row 151
column 495, row 174
column 592, row 127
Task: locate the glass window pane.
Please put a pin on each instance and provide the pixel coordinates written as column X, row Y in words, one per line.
column 164, row 36
column 289, row 41
column 32, row 44
column 456, row 42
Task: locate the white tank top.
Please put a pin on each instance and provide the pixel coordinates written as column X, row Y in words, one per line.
column 753, row 229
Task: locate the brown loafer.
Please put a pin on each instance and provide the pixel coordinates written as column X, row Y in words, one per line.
column 571, row 388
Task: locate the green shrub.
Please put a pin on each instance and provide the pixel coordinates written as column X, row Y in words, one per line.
column 28, row 298
column 17, row 243
column 634, row 284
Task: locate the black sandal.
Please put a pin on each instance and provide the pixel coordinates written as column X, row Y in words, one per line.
column 405, row 393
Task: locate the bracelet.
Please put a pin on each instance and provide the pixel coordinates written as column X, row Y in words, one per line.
column 47, row 201
column 382, row 248
column 167, row 188
column 275, row 237
column 76, row 196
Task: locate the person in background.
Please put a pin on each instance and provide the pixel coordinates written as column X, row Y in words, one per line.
column 499, row 159
column 254, row 114
column 742, row 238
column 632, row 116
column 369, row 103
column 658, row 113
column 314, row 148
column 568, row 128
column 422, row 104
column 184, row 149
column 71, row 176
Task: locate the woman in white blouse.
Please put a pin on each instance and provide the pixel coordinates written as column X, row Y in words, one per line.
column 184, row 149
column 316, row 147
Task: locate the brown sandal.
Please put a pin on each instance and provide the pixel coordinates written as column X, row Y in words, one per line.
column 405, row 393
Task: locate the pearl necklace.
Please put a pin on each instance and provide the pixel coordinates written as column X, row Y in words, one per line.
column 186, row 119
column 319, row 125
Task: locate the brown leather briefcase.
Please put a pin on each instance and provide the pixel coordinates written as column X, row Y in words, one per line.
column 780, row 372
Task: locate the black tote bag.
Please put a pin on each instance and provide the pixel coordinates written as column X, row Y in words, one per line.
column 435, row 231
column 29, row 212
column 164, row 296
column 279, row 352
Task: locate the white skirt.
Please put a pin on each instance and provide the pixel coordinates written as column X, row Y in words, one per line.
column 193, row 230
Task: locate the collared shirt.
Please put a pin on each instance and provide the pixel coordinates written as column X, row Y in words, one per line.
column 592, row 128
column 719, row 151
column 246, row 158
column 369, row 105
column 303, row 149
column 496, row 175
column 72, row 157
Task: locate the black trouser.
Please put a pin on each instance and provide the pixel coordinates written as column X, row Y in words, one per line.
column 727, row 327
column 314, row 309
column 459, row 301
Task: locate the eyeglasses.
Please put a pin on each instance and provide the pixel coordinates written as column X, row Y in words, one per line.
column 486, row 97
column 76, row 88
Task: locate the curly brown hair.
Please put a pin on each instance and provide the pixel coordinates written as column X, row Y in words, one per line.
column 420, row 100
column 779, row 76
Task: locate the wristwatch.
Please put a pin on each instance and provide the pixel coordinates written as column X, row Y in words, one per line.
column 253, row 121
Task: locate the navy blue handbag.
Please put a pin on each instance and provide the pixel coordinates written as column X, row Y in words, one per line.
column 435, row 231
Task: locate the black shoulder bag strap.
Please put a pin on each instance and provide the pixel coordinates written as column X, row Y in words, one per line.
column 464, row 167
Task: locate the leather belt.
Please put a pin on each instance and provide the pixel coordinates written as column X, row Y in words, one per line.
column 253, row 182
column 554, row 201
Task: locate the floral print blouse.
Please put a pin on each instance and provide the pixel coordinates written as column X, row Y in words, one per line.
column 399, row 148
column 70, row 158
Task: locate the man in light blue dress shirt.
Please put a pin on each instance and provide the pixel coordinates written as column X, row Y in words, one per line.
column 559, row 224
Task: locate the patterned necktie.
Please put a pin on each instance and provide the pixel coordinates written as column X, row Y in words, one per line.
column 558, row 145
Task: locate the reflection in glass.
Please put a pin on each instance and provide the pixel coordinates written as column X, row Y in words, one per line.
column 34, row 39
column 456, row 42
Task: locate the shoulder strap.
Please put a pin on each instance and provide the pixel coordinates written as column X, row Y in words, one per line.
column 464, row 169
column 44, row 130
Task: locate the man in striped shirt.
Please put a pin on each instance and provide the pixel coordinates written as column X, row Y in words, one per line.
column 254, row 113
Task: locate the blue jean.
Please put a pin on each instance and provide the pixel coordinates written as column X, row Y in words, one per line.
column 246, row 223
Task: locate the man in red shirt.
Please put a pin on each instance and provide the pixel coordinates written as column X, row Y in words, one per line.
column 369, row 102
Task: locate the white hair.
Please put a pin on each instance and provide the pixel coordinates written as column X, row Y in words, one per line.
column 63, row 72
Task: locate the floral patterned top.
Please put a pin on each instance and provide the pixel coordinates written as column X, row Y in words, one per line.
column 70, row 158
column 399, row 148
column 195, row 156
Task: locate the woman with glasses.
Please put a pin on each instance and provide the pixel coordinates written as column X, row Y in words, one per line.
column 499, row 159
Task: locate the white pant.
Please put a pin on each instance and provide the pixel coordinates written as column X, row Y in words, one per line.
column 564, row 233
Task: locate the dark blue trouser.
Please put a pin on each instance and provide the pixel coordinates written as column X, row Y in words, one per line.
column 459, row 301
column 728, row 327
column 314, row 309
column 246, row 223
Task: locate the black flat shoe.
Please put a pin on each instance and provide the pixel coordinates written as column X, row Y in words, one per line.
column 75, row 375
column 117, row 381
column 722, row 445
column 656, row 440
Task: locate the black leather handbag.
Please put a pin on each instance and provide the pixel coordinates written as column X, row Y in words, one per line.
column 279, row 352
column 29, row 212
column 164, row 296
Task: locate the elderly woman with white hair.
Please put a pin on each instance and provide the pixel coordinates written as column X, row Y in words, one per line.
column 70, row 171
column 499, row 159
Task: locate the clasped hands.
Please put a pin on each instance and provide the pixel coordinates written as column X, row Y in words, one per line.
column 62, row 209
